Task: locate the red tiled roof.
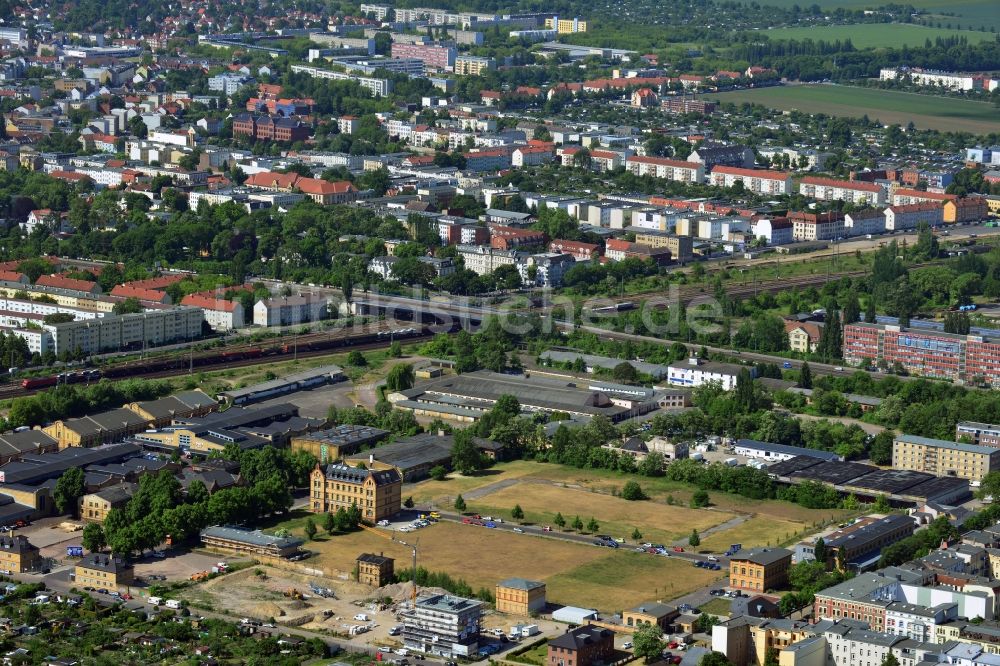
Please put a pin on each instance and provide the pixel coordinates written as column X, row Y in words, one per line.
column 753, row 173
column 662, row 161
column 209, row 303
column 845, row 184
column 127, row 291
column 62, row 282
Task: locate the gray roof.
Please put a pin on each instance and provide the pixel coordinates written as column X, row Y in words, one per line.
column 945, row 444
column 654, row 608
column 788, row 450
column 103, row 562
column 32, row 469
column 580, row 637
column 348, row 474
column 653, row 369
column 521, row 584
column 252, row 537
column 762, row 556
column 290, row 381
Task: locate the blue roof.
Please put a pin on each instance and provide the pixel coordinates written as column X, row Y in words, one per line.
column 789, row 450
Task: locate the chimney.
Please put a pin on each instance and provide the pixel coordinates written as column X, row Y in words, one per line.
column 371, row 458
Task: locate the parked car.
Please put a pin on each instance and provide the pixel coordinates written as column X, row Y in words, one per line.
column 518, row 530
column 627, row 645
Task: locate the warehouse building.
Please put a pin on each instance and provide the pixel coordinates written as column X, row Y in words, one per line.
column 250, row 542
column 335, row 443
column 299, row 381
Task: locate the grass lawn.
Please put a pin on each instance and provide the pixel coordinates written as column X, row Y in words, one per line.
column 876, row 35
column 536, row 655
column 616, row 516
column 887, row 106
column 717, row 606
column 981, row 13
column 443, row 493
column 757, row 531
column 624, row 579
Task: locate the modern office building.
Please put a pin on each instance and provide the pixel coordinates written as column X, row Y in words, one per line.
column 443, row 625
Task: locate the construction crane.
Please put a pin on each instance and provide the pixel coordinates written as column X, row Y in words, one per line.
column 413, row 547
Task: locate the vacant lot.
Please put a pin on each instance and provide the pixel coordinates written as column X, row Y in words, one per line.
column 443, row 493
column 876, row 35
column 622, row 579
column 757, row 531
column 618, row 517
column 886, row 106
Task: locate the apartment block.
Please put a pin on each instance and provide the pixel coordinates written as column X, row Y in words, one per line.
column 433, row 56
column 18, row 555
column 659, row 167
column 104, row 572
column 443, row 625
column 830, row 189
column 980, row 434
column 944, row 458
column 566, row 26
column 467, row 65
column 758, row 181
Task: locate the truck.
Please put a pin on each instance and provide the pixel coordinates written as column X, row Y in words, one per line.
column 173, row 603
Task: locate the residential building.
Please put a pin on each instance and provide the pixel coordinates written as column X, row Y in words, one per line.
column 249, row 542
column 816, row 226
column 905, row 197
column 831, row 189
column 578, row 250
column 433, row 56
column 468, row 65
column 228, row 83
column 760, row 569
column 966, row 209
column 776, row 231
column 861, row 547
column 803, row 336
column 484, row 260
column 443, row 625
column 616, row 249
column 911, row 216
column 697, row 372
column 374, row 570
column 18, row 555
column 104, row 572
column 289, row 310
column 565, row 26
column 980, row 434
column 711, row 155
column 588, row 645
column 758, row 181
column 650, row 612
column 943, row 458
column 660, row 167
column 268, row 128
column 864, row 222
column 531, row 156
column 681, row 247
column 377, row 87
column 94, row 507
column 546, row 269
column 376, row 492
column 220, row 314
column 519, row 596
column 130, row 331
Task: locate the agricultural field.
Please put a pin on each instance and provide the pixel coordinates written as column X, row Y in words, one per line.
column 976, row 13
column 876, row 35
column 886, row 106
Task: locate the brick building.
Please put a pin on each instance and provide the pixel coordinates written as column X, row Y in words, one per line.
column 375, row 570
column 583, row 646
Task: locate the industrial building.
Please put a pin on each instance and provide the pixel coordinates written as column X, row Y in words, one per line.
column 335, row 443
column 414, row 457
column 299, row 381
column 769, row 452
column 250, row 542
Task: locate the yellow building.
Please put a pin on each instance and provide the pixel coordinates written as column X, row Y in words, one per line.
column 18, row 555
column 651, row 612
column 375, row 570
column 103, row 428
column 467, row 65
column 566, row 26
column 760, row 569
column 681, row 247
column 518, row 596
column 993, row 205
column 162, row 411
column 376, row 491
column 94, row 507
column 943, row 458
column 336, row 443
column 102, row 571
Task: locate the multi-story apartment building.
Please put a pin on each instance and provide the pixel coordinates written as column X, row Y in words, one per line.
column 443, row 625
column 830, row 189
column 865, row 221
column 18, row 555
column 905, row 197
column 220, row 314
column 566, row 26
column 760, row 569
column 660, row 167
column 433, row 56
column 289, row 310
column 816, row 226
column 966, row 209
column 375, row 491
column 681, row 247
column 377, row 87
column 484, row 260
column 488, row 160
column 104, row 572
column 911, row 216
column 518, row 596
column 129, row 331
column 865, row 599
column 468, row 65
column 943, row 458
column 697, row 372
column 981, row 434
column 758, row 181
column 228, row 83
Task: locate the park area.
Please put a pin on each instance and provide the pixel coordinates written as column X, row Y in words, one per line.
column 886, row 106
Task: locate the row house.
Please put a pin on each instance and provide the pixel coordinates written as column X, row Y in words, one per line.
column 911, row 216
column 830, row 189
column 904, row 197
column 659, row 167
column 758, row 181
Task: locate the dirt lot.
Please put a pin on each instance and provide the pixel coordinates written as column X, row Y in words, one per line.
column 178, row 564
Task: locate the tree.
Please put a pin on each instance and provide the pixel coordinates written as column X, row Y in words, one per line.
column 593, row 525
column 647, row 642
column 577, row 524
column 705, row 622
column 880, row 449
column 400, row 377
column 805, row 377
column 395, row 349
column 465, row 456
column 408, row 502
column 700, row 499
column 94, row 539
column 890, row 660
column 852, row 308
column 517, row 513
column 559, row 521
column 310, row 528
column 694, row 540
column 819, row 550
column 357, row 359
column 460, row 504
column 625, row 372
column 632, row 491
column 330, row 523
column 438, row 473
column 636, row 534
column 70, row 487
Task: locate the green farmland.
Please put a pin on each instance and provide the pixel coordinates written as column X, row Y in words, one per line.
column 887, row 106
column 978, row 14
column 876, row 35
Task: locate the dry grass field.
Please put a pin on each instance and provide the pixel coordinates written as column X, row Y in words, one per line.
column 757, row 531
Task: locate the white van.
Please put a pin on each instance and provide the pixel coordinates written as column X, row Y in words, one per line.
column 172, row 603
column 713, row 558
column 154, row 601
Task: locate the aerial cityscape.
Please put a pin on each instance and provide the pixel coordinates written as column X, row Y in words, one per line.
column 500, row 333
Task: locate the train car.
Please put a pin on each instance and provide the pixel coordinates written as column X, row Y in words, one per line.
column 39, row 382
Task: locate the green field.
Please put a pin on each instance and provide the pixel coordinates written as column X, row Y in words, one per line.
column 875, row 35
column 887, row 106
column 978, row 13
